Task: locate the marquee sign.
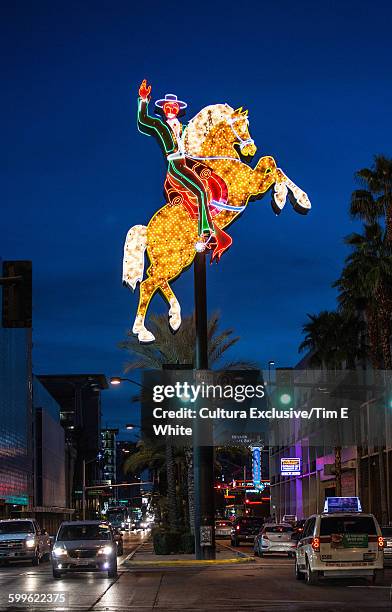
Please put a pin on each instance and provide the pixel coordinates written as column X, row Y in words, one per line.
column 208, row 184
column 290, row 466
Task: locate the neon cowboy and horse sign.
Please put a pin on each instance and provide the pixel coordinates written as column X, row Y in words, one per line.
column 207, row 187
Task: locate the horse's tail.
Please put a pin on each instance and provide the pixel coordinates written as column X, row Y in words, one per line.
column 133, row 262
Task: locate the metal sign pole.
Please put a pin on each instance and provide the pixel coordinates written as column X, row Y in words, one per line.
column 203, row 455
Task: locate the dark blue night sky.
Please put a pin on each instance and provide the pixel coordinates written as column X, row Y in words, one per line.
column 76, row 173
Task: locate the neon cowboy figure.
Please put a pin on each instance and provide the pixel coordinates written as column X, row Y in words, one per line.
column 168, row 134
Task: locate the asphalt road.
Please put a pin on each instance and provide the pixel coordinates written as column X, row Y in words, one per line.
column 266, row 585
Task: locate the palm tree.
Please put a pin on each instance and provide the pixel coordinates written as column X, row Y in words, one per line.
column 375, row 200
column 371, row 264
column 332, row 338
column 179, row 348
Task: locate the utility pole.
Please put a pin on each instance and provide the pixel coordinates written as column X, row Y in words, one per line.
column 203, row 455
column 338, row 470
column 84, row 489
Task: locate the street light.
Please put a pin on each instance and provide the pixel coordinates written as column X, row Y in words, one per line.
column 270, row 363
column 117, row 380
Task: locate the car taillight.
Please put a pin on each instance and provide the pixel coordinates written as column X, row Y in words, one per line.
column 316, row 544
column 380, row 540
column 238, row 527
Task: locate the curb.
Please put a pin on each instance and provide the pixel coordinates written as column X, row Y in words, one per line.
column 189, row 562
column 237, row 552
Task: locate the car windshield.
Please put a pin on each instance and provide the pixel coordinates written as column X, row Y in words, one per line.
column 278, row 529
column 251, row 522
column 84, row 532
column 16, row 527
column 386, row 532
column 347, row 524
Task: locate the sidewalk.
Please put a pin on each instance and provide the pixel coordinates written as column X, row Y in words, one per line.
column 144, row 556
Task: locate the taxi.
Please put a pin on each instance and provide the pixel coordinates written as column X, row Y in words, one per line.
column 340, row 544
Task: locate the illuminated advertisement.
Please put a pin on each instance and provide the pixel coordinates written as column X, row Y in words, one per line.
column 290, row 466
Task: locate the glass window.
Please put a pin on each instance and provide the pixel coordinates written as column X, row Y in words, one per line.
column 16, row 527
column 278, row 529
column 386, row 532
column 309, row 528
column 84, row 532
column 347, row 524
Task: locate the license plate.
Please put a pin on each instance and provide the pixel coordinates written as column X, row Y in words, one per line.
column 83, row 562
column 349, row 564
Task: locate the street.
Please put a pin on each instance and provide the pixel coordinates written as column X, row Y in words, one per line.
column 265, row 584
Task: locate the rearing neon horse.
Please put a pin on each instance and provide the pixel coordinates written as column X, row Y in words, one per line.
column 171, row 237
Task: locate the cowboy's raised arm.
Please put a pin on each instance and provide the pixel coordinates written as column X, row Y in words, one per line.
column 152, row 126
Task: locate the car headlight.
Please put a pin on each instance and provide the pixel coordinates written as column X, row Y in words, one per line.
column 30, row 542
column 105, row 550
column 59, row 551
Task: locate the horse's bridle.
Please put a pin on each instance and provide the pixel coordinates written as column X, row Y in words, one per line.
column 243, row 143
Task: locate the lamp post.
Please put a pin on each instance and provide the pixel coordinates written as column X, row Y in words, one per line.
column 270, row 363
column 84, row 463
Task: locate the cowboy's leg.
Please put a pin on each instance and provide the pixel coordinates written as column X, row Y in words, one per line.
column 191, row 181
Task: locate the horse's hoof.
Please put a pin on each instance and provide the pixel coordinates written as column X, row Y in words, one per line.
column 138, row 325
column 145, row 336
column 174, row 315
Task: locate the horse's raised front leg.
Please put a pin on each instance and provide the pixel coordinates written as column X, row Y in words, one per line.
column 285, row 186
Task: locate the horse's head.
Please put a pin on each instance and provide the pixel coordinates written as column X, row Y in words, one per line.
column 239, row 125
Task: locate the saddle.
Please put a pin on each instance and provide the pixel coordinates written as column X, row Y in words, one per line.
column 217, row 192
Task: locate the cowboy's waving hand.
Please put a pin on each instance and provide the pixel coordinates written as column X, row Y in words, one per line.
column 144, row 90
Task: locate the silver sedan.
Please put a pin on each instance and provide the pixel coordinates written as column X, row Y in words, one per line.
column 275, row 538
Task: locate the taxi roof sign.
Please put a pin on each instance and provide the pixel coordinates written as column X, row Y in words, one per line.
column 342, row 504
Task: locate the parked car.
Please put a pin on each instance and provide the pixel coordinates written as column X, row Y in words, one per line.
column 245, row 528
column 338, row 545
column 84, row 546
column 223, row 528
column 275, row 539
column 386, row 533
column 118, row 537
column 23, row 539
column 290, row 519
column 299, row 525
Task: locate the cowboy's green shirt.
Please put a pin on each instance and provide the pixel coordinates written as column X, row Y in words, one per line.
column 153, row 126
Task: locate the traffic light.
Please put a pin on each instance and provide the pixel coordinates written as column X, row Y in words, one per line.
column 284, row 395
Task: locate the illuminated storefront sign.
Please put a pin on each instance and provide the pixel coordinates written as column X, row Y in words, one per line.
column 256, row 465
column 290, row 466
column 209, row 183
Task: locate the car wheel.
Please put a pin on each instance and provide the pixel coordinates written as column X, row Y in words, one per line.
column 56, row 573
column 311, row 577
column 35, row 560
column 112, row 573
column 299, row 575
column 378, row 577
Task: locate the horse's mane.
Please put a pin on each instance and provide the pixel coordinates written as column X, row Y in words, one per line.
column 200, row 126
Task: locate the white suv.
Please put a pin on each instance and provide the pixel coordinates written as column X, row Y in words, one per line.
column 23, row 539
column 339, row 545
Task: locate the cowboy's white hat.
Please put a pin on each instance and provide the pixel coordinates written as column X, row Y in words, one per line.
column 170, row 98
